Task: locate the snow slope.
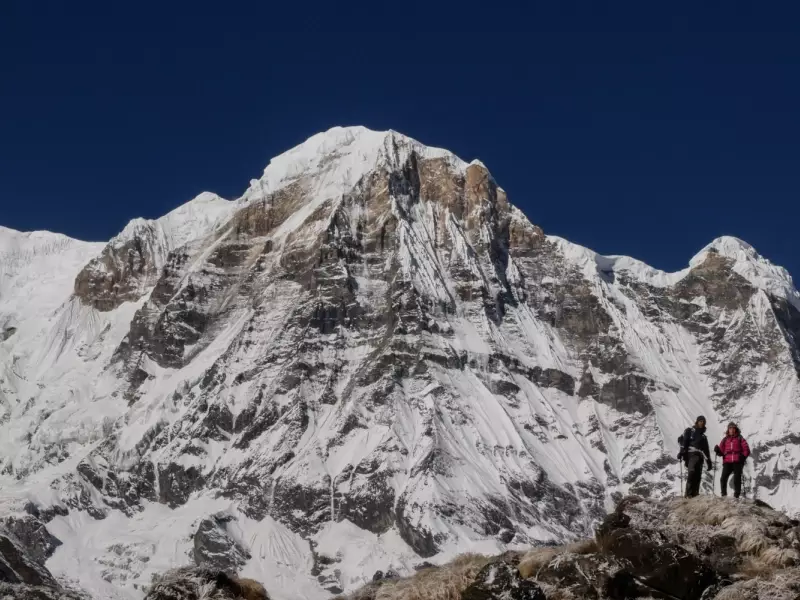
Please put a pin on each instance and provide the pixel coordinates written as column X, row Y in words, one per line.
column 369, row 360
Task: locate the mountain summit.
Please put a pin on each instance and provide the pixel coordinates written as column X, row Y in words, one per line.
column 369, row 359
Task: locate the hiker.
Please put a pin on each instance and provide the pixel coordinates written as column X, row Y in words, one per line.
column 734, row 452
column 694, row 448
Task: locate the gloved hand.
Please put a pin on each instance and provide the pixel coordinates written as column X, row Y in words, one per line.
column 709, row 465
column 680, row 455
column 717, row 451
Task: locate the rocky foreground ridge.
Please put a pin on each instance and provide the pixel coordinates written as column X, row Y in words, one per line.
column 689, row 549
column 370, row 360
column 704, row 548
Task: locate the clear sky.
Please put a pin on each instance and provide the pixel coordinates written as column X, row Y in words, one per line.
column 645, row 129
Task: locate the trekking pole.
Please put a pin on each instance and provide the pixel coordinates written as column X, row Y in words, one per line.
column 714, row 477
column 681, row 467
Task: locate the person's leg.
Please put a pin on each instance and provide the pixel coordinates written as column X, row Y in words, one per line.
column 695, row 475
column 727, row 469
column 687, row 490
column 737, row 479
column 690, row 478
column 698, row 481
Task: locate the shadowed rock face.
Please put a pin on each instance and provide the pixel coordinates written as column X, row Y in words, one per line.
column 23, row 576
column 17, row 567
column 120, row 274
column 789, row 320
column 33, row 536
column 215, row 548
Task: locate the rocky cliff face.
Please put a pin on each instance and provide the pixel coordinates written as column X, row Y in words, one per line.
column 369, row 359
column 23, row 575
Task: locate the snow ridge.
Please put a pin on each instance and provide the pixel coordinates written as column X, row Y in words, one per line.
column 188, row 222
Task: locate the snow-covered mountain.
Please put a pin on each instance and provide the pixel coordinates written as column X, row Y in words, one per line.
column 369, row 360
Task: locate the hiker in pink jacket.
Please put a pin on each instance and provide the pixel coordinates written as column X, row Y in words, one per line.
column 734, row 452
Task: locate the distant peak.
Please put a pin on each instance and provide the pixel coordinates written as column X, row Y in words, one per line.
column 747, row 262
column 478, row 163
column 728, row 246
column 192, row 219
column 206, row 198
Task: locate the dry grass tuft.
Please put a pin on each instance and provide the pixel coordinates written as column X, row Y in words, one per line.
column 780, row 557
column 747, row 523
column 442, row 583
column 538, row 558
column 744, row 590
column 702, row 510
column 782, row 586
column 250, row 589
column 535, row 560
column 770, row 561
column 587, row 546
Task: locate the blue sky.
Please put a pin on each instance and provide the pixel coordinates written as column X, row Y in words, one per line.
column 630, row 128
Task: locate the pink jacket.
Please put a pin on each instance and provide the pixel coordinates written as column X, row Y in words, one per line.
column 734, row 449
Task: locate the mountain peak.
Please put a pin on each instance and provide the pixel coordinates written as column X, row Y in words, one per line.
column 747, row 262
column 729, row 247
column 337, row 158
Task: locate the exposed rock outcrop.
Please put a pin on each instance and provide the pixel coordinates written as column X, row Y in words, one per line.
column 24, row 578
column 501, row 580
column 704, row 548
column 215, row 547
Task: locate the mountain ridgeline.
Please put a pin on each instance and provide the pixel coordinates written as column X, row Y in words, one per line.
column 372, row 344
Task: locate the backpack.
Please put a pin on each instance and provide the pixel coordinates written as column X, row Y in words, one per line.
column 686, row 436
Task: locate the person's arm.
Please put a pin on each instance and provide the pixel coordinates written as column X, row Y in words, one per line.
column 718, row 448
column 707, row 452
column 745, row 449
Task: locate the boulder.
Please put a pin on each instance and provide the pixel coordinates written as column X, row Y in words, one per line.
column 581, row 575
column 216, row 548
column 665, row 569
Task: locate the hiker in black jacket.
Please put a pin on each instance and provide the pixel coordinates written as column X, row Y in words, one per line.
column 694, row 450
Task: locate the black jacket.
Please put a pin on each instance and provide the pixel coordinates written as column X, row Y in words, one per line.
column 695, row 440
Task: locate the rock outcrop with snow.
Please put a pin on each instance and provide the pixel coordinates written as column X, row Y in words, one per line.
column 369, row 359
column 703, row 548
